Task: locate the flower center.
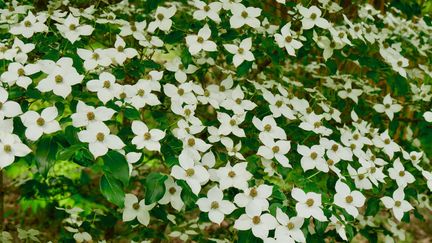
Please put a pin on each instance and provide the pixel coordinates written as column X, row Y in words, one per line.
column 27, row 24
column 190, row 172
column 256, row 219
column 90, row 116
column 95, row 56
column 100, row 137
column 172, row 190
column 231, row 174
column 200, row 39
column 313, row 155
column 253, row 192
column 214, row 205
column 335, row 147
column 7, row 148
column 21, row 72
column 206, row 8
column 106, row 84
column 40, row 121
column 288, row 39
column 72, row 27
column 398, row 203
column 232, row 122
column 180, row 91
column 310, row 202
column 188, row 112
column 387, row 141
column 136, row 206
column 317, row 124
column 267, row 128
column 140, row 92
column 244, row 14
column 313, row 16
column 120, row 48
column 275, row 149
column 160, row 16
column 349, row 199
column 58, row 79
column 290, row 226
column 240, row 50
column 191, row 142
column 279, row 103
column 330, row 162
column 147, row 136
column 401, row 173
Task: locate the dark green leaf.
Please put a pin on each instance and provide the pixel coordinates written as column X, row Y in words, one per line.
column 115, row 165
column 155, row 187
column 112, row 190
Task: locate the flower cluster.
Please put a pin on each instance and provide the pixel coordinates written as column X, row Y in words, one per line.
column 224, row 117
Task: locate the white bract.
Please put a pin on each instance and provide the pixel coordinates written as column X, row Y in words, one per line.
column 38, row 124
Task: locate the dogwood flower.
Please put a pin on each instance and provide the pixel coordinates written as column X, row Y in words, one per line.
column 172, row 194
column 347, row 199
column 60, row 81
column 233, row 176
column 98, row 136
column 210, row 10
column 8, row 108
column 106, row 86
column 242, row 15
column 388, row 107
column 136, row 209
column 193, row 174
column 275, row 149
column 11, row 147
column 254, row 197
column 241, row 52
column 313, row 157
column 86, row 114
column 230, row 124
column 232, row 150
column 268, row 128
column 93, row 59
column 312, row 17
column 201, row 41
column 289, row 227
column 308, row 204
column 72, row 30
column 236, row 102
column 260, row 223
column 146, row 138
column 214, row 204
column 385, row 142
column 119, row 54
column 18, row 74
column 349, row 92
column 37, row 125
column 19, row 51
column 163, row 19
column 285, row 40
column 400, row 175
column 30, row 25
column 397, row 203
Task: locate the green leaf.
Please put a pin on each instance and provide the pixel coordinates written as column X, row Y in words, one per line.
column 67, row 153
column 155, row 187
column 45, row 155
column 116, row 166
column 244, row 68
column 112, row 190
column 372, row 207
column 132, row 114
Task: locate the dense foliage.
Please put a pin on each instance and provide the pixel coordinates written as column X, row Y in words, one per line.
column 217, row 121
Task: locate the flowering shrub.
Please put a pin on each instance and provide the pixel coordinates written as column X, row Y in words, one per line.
column 215, row 121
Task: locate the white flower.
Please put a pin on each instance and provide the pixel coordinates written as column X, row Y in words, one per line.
column 180, row 71
column 230, row 124
column 210, row 11
column 194, row 174
column 260, row 223
column 199, row 42
column 98, row 136
column 19, row 51
column 268, row 128
column 236, row 102
column 11, row 147
column 134, row 209
column 286, row 40
column 163, row 19
column 136, row 29
column 141, row 93
column 106, row 87
column 386, row 143
column 312, row 17
column 349, row 92
column 388, row 107
column 234, row 176
column 8, row 108
column 29, row 25
column 308, row 204
column 241, row 52
column 360, row 177
column 93, row 59
column 400, row 175
column 398, row 203
column 428, row 116
column 347, row 199
column 82, row 237
column 255, row 197
column 172, row 195
column 72, row 30
column 313, row 157
column 290, row 227
column 18, row 74
column 192, row 146
column 146, row 138
column 60, row 81
column 180, row 94
column 120, row 53
column 233, row 150
column 275, row 149
column 244, row 16
column 214, row 204
column 37, row 125
column 86, row 114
